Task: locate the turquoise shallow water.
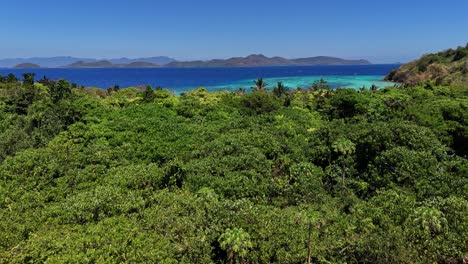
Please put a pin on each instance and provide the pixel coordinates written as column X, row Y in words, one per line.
column 354, row 82
column 225, row 78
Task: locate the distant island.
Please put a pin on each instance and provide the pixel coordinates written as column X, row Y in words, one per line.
column 254, row 60
column 27, row 66
column 443, row 68
column 108, row 64
column 261, row 60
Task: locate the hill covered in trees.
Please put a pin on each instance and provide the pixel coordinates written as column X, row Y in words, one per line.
column 443, row 68
column 272, row 176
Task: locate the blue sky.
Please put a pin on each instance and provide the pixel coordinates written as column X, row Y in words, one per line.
column 382, row 31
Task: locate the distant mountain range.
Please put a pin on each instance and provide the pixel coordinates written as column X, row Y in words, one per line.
column 249, row 61
column 261, row 60
column 57, row 62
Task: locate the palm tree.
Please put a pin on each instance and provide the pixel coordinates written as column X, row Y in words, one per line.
column 235, row 241
column 315, row 86
column 324, row 85
column 344, row 147
column 240, row 91
column 260, row 85
column 280, row 89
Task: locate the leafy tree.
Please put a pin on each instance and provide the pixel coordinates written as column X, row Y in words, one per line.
column 28, row 79
column 60, row 90
column 260, row 102
column 237, row 242
column 148, row 94
column 11, row 78
column 460, row 54
column 45, row 81
column 427, row 228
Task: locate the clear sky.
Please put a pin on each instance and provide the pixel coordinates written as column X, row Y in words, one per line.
column 379, row 30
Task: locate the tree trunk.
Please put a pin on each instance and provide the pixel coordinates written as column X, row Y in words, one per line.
column 231, row 257
column 309, row 249
column 343, row 173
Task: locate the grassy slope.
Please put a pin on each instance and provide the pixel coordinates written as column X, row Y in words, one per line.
column 446, row 67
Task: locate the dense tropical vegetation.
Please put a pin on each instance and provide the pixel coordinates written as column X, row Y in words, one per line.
column 308, row 175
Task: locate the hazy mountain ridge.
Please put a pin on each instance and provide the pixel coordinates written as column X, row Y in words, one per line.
column 160, row 60
column 249, row 61
column 47, row 62
column 324, row 60
column 262, row 60
column 62, row 61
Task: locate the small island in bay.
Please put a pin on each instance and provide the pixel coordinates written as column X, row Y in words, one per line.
column 27, row 66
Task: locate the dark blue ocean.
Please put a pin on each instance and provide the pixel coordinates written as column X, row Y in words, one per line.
column 180, row 79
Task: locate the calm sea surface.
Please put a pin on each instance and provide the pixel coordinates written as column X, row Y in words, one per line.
column 182, row 79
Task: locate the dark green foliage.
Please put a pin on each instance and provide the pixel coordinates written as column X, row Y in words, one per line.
column 348, row 103
column 460, row 54
column 334, row 176
column 28, row 79
column 59, row 90
column 320, row 85
column 260, row 102
column 33, row 115
column 260, row 85
column 148, row 94
column 45, row 81
column 11, row 78
column 280, row 90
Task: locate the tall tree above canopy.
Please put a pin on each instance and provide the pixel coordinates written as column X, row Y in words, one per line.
column 260, row 85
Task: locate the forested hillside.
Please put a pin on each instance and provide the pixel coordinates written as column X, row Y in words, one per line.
column 442, row 68
column 272, row 176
